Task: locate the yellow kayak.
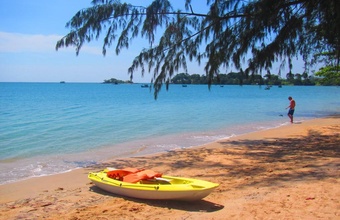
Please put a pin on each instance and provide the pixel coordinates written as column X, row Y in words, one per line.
column 160, row 188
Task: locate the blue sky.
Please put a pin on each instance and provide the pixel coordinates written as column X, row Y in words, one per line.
column 29, row 30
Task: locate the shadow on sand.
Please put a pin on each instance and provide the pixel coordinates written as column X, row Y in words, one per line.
column 269, row 163
column 194, row 206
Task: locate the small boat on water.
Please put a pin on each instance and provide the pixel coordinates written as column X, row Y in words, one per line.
column 145, row 86
column 147, row 184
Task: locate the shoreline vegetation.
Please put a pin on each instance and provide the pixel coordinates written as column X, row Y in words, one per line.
column 239, row 79
column 290, row 172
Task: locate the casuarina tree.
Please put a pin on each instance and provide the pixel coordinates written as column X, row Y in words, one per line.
column 247, row 35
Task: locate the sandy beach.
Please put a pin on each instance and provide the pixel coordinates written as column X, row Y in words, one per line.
column 290, row 172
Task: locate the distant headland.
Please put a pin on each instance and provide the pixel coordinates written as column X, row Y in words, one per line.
column 238, row 78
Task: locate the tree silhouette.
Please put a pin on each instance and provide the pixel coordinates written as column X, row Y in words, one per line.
column 232, row 33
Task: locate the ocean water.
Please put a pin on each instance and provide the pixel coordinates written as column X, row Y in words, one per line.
column 49, row 128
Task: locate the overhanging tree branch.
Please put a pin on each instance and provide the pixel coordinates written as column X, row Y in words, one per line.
column 225, row 36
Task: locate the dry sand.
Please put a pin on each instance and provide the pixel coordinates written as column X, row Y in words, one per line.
column 291, row 172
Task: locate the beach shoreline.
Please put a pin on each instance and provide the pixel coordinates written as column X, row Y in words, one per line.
column 286, row 172
column 19, row 169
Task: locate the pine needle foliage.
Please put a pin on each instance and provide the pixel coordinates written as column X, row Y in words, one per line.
column 232, row 33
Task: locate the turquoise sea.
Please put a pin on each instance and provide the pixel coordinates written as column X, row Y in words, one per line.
column 49, row 128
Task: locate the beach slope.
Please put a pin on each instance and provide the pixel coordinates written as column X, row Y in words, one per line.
column 290, row 172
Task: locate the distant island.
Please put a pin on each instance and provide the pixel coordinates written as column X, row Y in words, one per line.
column 117, row 81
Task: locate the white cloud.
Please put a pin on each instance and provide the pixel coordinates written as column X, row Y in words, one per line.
column 17, row 43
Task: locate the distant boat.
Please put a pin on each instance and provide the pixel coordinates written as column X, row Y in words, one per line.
column 62, row 81
column 267, row 88
column 145, row 86
column 184, row 85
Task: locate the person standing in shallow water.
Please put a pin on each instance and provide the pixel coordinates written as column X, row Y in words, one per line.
column 291, row 108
